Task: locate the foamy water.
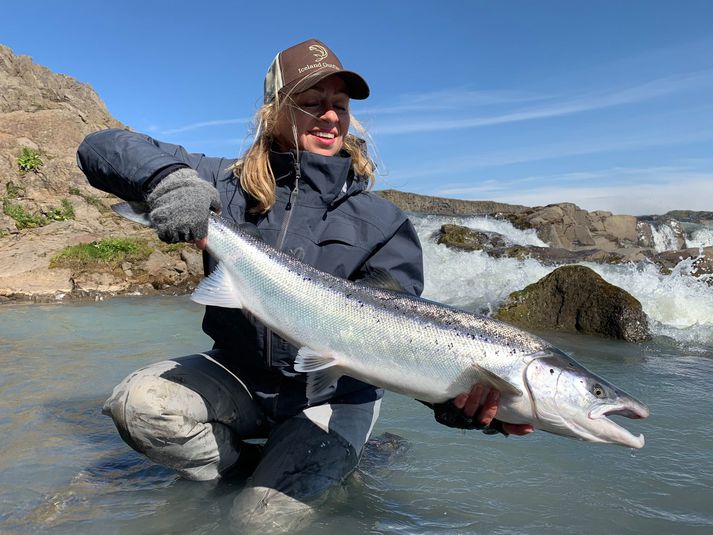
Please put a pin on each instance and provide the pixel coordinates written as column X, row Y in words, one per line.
column 700, row 237
column 679, row 305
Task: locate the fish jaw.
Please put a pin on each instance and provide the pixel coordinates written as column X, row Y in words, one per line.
column 629, row 408
column 569, row 400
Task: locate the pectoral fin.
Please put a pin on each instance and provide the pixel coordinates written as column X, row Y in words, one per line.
column 323, row 373
column 218, row 289
column 485, row 376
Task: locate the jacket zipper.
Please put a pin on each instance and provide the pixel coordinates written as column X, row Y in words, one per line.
column 280, row 244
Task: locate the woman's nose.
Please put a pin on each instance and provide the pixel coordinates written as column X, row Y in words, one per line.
column 330, row 115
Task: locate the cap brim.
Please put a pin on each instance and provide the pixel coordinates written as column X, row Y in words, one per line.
column 357, row 87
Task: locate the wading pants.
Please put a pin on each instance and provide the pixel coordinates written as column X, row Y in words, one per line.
column 191, row 414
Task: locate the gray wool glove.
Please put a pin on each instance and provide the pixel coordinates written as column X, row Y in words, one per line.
column 180, row 206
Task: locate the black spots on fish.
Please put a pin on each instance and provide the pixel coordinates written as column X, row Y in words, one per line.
column 598, row 390
column 552, row 371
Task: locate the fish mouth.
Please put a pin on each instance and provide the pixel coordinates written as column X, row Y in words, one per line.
column 618, row 434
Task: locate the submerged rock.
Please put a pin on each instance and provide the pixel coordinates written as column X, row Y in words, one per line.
column 576, row 299
column 557, row 256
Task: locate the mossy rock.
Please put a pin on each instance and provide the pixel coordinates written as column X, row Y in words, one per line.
column 467, row 239
column 576, row 299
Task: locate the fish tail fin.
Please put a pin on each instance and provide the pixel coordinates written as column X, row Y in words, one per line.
column 133, row 211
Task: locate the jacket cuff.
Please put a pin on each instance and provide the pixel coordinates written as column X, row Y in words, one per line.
column 159, row 175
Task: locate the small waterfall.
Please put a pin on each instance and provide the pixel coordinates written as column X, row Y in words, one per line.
column 678, row 304
column 668, row 236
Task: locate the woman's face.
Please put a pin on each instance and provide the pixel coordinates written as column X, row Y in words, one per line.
column 321, row 117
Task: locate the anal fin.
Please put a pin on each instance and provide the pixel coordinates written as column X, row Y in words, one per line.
column 323, row 373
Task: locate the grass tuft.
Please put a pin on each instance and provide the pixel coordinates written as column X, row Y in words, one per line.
column 110, row 252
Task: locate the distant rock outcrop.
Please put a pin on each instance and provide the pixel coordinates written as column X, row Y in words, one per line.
column 425, row 204
column 576, row 299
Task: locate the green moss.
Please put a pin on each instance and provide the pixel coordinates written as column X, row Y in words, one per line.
column 61, row 214
column 22, row 218
column 13, row 191
column 110, row 252
column 172, row 247
column 90, row 199
column 29, row 160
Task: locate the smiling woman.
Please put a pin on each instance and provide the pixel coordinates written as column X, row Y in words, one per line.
column 304, row 184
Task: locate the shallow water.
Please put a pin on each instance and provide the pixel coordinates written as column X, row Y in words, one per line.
column 63, row 468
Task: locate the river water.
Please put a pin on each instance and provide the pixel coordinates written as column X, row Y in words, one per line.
column 63, row 468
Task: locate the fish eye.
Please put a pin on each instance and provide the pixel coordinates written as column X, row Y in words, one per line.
column 598, row 390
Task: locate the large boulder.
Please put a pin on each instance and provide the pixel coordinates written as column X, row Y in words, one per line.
column 567, row 226
column 576, row 299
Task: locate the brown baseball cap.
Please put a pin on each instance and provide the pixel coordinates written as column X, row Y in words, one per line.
column 299, row 67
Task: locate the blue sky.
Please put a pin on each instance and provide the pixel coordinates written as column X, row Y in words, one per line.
column 606, row 103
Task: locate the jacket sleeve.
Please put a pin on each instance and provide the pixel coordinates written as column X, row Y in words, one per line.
column 127, row 163
column 402, row 257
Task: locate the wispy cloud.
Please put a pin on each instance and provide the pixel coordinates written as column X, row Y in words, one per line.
column 565, row 106
column 204, row 124
column 450, row 166
column 447, row 99
column 634, row 191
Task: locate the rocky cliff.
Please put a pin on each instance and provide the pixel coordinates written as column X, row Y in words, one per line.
column 47, row 204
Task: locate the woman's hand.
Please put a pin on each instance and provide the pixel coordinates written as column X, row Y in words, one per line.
column 180, row 206
column 481, row 406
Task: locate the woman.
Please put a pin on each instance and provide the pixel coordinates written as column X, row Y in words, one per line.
column 304, row 184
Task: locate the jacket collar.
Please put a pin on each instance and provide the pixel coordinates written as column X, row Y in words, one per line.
column 330, row 177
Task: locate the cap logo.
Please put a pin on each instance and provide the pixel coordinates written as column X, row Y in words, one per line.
column 319, row 52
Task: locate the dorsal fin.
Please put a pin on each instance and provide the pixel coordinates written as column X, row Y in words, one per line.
column 380, row 278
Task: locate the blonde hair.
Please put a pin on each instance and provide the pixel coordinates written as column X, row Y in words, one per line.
column 253, row 168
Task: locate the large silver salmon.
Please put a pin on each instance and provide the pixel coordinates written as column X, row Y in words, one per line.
column 412, row 346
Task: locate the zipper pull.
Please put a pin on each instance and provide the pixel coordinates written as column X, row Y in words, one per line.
column 293, row 194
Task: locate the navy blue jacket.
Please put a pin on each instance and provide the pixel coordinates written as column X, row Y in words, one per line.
column 323, row 215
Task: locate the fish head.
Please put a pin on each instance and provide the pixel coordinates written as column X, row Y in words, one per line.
column 567, row 399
